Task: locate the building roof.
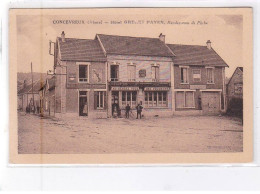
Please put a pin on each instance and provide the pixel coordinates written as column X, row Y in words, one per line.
column 240, row 68
column 28, row 89
column 142, row 46
column 81, row 50
column 196, row 55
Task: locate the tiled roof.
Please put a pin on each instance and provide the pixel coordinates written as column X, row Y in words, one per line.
column 196, row 55
column 81, row 50
column 28, row 89
column 126, row 45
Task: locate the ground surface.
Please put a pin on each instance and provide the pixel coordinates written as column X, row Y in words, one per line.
column 205, row 134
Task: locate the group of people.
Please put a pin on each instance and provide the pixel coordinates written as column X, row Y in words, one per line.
column 116, row 112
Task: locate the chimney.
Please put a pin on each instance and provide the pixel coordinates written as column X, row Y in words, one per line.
column 24, row 83
column 208, row 44
column 63, row 36
column 162, row 38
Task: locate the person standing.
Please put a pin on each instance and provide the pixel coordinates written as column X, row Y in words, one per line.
column 139, row 109
column 127, row 110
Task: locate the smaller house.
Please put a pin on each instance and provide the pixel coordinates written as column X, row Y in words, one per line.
column 235, row 92
column 28, row 96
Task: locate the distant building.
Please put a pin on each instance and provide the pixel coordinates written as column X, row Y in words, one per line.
column 235, row 91
column 98, row 78
column 27, row 94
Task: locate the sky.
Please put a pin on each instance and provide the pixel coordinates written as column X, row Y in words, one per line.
column 35, row 32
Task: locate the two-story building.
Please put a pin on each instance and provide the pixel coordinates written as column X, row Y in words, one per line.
column 99, row 77
column 199, row 79
column 139, row 71
column 80, row 78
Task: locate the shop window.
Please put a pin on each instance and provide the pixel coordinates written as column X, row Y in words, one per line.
column 185, row 99
column 210, row 75
column 196, row 75
column 83, row 73
column 155, row 72
column 184, row 75
column 129, row 98
column 99, row 99
column 156, row 99
column 131, row 71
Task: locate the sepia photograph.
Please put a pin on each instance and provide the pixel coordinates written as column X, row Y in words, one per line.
column 108, row 82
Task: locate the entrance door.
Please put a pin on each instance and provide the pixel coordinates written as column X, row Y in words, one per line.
column 210, row 102
column 83, row 103
column 115, row 103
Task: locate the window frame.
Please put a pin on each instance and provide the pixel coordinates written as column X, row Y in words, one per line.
column 193, row 75
column 155, row 65
column 125, row 102
column 83, row 64
column 184, row 98
column 213, row 73
column 159, row 104
column 184, row 67
column 99, row 98
column 128, row 78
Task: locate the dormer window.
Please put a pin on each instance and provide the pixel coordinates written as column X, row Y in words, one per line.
column 155, row 72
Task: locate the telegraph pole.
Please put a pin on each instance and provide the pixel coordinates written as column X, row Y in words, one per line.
column 32, row 85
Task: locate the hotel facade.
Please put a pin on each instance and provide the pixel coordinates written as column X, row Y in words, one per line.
column 98, row 77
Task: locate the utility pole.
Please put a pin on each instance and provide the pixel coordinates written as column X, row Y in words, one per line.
column 32, row 86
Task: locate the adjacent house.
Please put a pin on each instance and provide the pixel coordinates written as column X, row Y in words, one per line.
column 80, row 78
column 235, row 92
column 28, row 96
column 199, row 79
column 98, row 78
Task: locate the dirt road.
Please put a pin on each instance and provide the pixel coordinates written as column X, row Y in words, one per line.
column 150, row 135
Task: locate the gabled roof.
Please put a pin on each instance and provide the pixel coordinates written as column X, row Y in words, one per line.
column 28, row 89
column 196, row 55
column 126, row 45
column 81, row 50
column 238, row 68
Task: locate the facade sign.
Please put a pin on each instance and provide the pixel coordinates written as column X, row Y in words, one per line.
column 156, row 89
column 124, row 88
column 198, row 87
column 142, row 73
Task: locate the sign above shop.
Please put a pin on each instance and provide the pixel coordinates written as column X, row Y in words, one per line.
column 198, row 87
column 124, row 88
column 156, row 89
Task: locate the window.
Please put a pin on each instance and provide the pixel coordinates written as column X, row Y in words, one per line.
column 155, row 72
column 131, row 71
column 196, row 75
column 238, row 88
column 184, row 75
column 185, row 99
column 99, row 99
column 114, row 72
column 156, row 99
column 83, row 73
column 210, row 75
column 129, row 98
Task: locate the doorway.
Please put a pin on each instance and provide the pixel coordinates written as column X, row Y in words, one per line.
column 83, row 103
column 115, row 103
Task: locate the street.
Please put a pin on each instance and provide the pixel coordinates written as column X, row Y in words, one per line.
column 179, row 134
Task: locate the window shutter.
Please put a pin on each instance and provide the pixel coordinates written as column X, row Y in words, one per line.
column 95, row 100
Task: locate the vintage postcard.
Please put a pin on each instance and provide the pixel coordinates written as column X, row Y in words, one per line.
column 131, row 85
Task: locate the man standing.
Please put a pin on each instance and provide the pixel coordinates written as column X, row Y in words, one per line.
column 139, row 109
column 127, row 110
